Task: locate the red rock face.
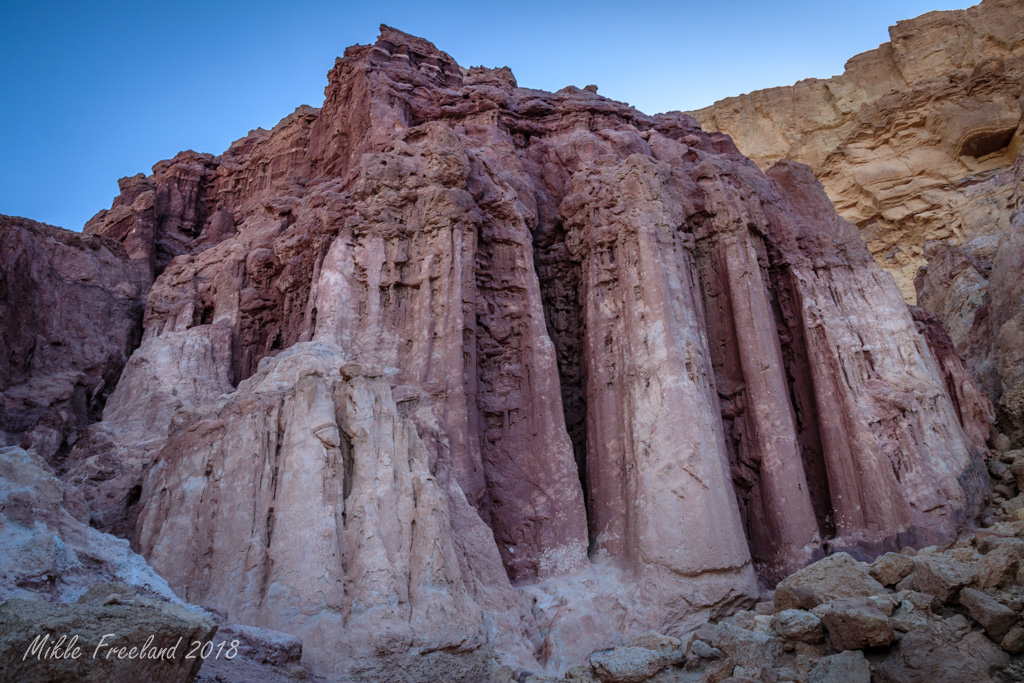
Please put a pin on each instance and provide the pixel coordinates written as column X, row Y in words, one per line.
column 434, row 277
column 446, row 336
column 891, row 437
column 71, row 309
column 655, row 442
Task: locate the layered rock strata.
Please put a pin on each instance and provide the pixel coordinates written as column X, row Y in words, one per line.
column 918, row 143
column 451, row 368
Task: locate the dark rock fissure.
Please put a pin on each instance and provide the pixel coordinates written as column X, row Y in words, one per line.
column 560, row 283
column 785, row 307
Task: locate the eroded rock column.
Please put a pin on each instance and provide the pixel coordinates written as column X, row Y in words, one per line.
column 768, row 468
column 657, row 468
column 434, row 277
column 901, row 470
column 304, row 503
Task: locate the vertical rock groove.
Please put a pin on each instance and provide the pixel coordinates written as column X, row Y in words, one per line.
column 560, row 283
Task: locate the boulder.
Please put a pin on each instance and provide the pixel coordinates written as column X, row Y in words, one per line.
column 119, row 643
column 994, row 617
column 795, row 624
column 701, row 650
column 942, row 576
column 856, row 623
column 891, row 568
column 652, row 640
column 845, row 667
column 752, row 650
column 836, row 576
column 626, row 664
column 945, row 650
column 1012, row 506
column 998, row 568
column 1017, row 470
column 1013, row 641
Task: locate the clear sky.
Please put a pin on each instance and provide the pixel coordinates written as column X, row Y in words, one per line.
column 93, row 91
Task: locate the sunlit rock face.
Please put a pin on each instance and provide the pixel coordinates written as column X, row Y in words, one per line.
column 918, row 143
column 449, row 370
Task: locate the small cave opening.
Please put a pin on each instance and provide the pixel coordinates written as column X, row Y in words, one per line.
column 133, row 497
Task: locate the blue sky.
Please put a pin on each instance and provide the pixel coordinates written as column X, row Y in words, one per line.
column 96, row 91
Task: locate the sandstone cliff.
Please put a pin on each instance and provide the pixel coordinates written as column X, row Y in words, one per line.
column 918, row 143
column 450, row 369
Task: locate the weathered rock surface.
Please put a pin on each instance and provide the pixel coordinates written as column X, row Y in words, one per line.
column 918, row 143
column 796, row 624
column 449, row 370
column 836, row 576
column 995, row 618
column 433, row 275
column 942, row 576
column 975, row 287
column 166, row 378
column 45, row 553
column 856, row 624
column 844, row 667
column 71, row 306
column 891, row 568
column 161, row 635
column 944, row 650
column 626, row 664
column 343, row 535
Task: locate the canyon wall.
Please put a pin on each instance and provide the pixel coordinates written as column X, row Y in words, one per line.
column 450, row 369
column 918, row 143
column 71, row 306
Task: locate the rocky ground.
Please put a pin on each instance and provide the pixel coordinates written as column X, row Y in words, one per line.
column 59, row 576
column 950, row 613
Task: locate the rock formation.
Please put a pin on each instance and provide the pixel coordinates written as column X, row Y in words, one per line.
column 918, row 143
column 449, row 370
column 60, row 577
column 346, row 538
